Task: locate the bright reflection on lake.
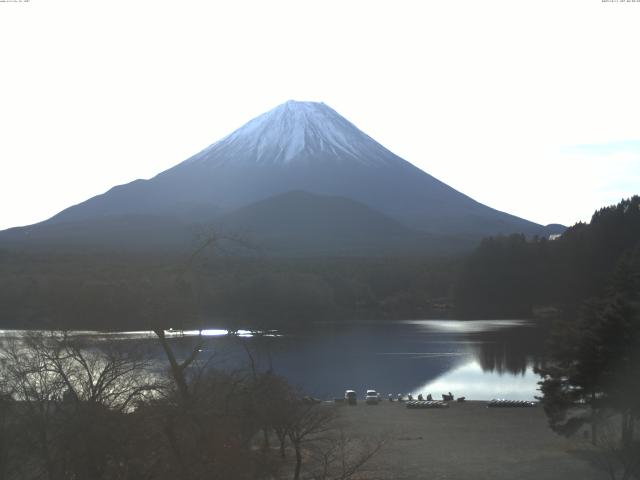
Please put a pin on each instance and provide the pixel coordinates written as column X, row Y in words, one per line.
column 472, row 382
column 474, row 326
column 480, row 360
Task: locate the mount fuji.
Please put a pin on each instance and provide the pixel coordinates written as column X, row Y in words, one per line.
column 284, row 178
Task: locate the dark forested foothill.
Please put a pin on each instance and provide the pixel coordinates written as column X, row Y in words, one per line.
column 510, row 276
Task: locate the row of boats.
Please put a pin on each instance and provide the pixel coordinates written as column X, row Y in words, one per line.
column 426, row 404
column 501, row 403
column 492, row 404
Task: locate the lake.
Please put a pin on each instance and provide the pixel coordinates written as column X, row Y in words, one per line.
column 480, row 359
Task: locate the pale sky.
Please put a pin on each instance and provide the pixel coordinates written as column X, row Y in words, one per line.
column 531, row 107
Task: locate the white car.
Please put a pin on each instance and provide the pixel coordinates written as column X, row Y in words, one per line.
column 372, row 397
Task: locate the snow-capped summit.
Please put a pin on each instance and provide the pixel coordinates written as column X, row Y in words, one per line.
column 294, row 131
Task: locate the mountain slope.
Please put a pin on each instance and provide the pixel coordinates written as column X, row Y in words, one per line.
column 298, row 146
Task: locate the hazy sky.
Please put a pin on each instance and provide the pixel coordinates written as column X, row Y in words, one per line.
column 531, row 107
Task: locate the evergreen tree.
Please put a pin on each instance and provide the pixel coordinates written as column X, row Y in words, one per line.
column 594, row 362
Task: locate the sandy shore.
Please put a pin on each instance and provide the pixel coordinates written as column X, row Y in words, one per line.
column 468, row 441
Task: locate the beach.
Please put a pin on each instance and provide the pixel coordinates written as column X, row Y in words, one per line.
column 467, row 441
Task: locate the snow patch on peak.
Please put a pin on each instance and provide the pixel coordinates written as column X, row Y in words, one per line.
column 294, row 130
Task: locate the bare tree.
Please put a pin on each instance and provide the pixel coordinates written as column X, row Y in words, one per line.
column 308, row 422
column 72, row 401
column 342, row 456
column 209, row 427
column 189, row 282
column 178, row 369
column 108, row 374
column 27, row 377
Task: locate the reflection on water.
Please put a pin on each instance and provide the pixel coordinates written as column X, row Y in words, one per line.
column 476, row 326
column 475, row 359
column 502, row 346
column 473, row 382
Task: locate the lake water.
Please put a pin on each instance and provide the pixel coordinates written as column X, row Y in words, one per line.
column 480, row 360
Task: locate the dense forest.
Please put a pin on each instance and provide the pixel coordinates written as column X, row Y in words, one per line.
column 118, row 291
column 512, row 276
